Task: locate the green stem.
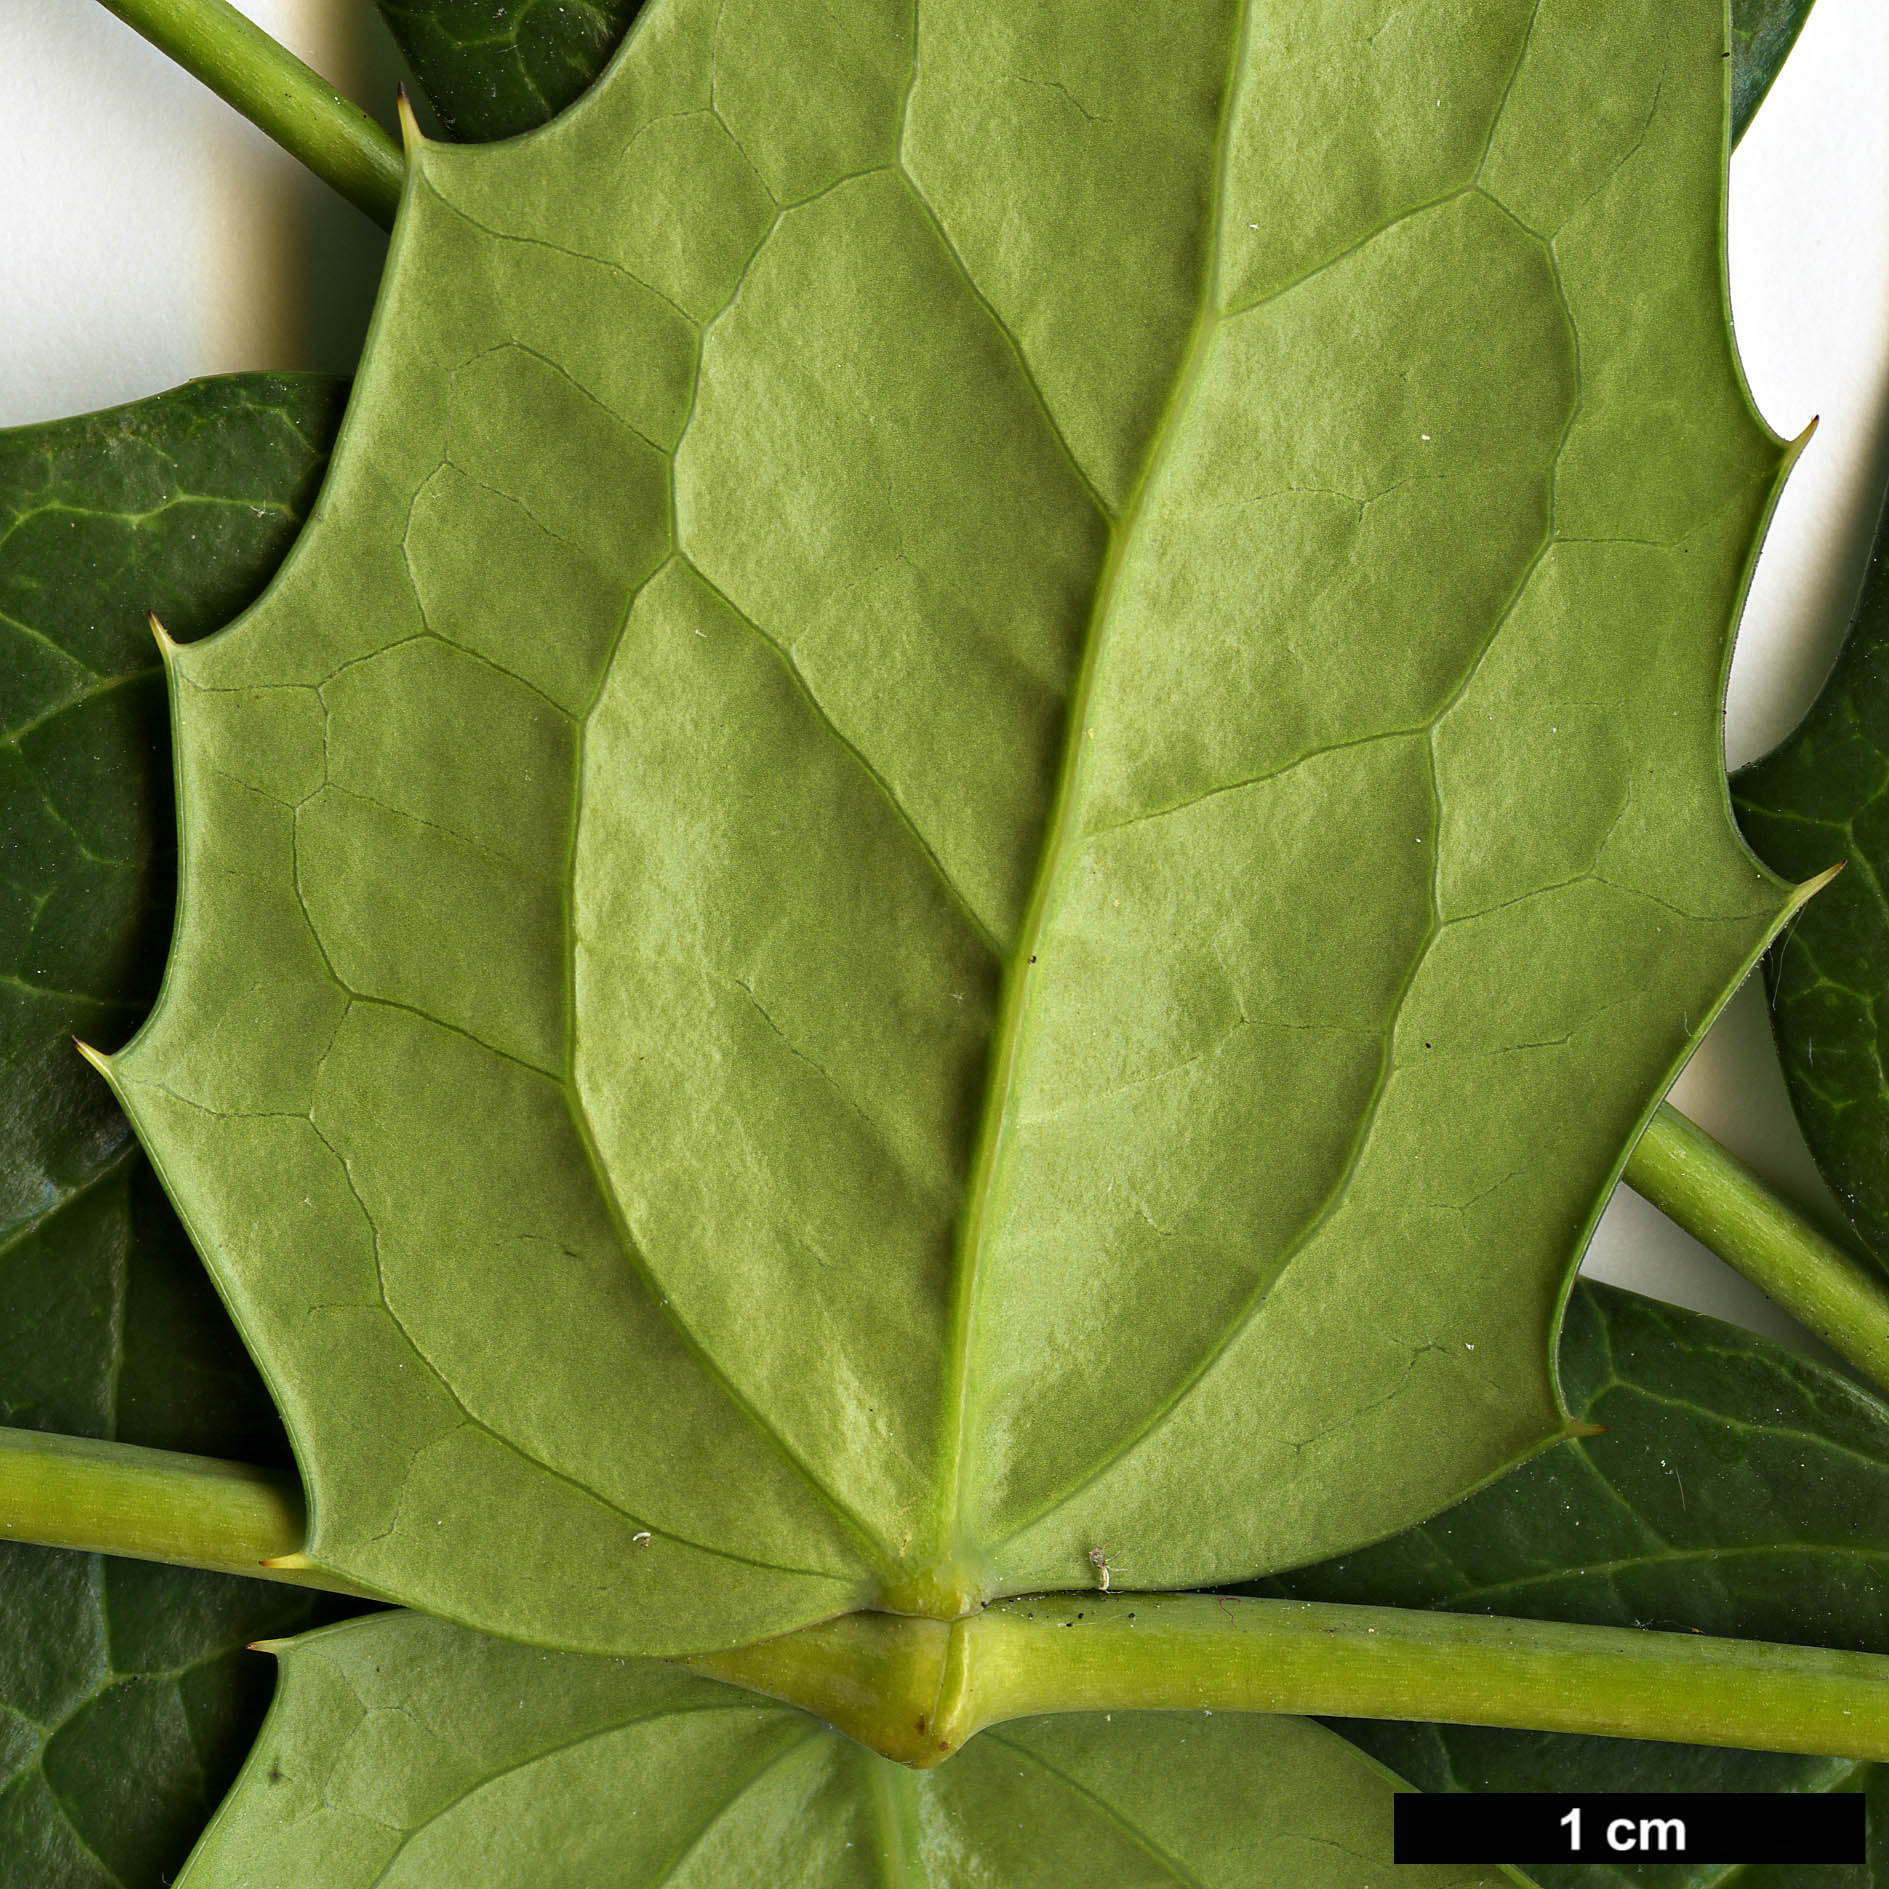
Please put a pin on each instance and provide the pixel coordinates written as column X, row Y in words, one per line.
column 154, row 1505
column 304, row 114
column 1724, row 1206
column 916, row 1689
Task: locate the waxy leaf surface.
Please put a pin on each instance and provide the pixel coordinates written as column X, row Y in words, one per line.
column 1763, row 33
column 993, row 790
column 409, row 1754
column 1822, row 797
column 128, row 1701
column 1738, row 1489
column 181, row 505
column 491, row 71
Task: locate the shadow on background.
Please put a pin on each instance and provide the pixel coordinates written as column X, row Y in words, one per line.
column 332, row 255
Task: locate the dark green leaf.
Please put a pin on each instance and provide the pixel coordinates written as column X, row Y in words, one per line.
column 1738, row 1490
column 126, row 1701
column 1763, row 31
column 410, row 1754
column 127, row 1704
column 182, row 506
column 492, row 68
column 1820, row 797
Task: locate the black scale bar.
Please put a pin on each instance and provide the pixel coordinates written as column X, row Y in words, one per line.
column 1630, row 1827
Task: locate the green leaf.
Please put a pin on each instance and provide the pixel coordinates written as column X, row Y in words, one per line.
column 493, row 68
column 181, row 505
column 1763, row 32
column 126, row 1700
column 405, row 1752
column 1821, row 795
column 127, row 1703
column 765, row 888
column 1738, row 1489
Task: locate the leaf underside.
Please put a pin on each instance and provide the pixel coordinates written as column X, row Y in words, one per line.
column 1738, row 1490
column 1821, row 796
column 413, row 1755
column 863, row 919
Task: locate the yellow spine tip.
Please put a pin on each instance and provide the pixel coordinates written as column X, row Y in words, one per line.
column 272, row 1647
column 1576, row 1431
column 293, row 1563
column 1794, row 448
column 97, row 1058
column 411, row 136
column 1804, row 893
column 165, row 641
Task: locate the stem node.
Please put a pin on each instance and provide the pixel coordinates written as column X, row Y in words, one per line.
column 915, row 1690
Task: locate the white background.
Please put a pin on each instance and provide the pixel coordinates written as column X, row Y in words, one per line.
column 151, row 235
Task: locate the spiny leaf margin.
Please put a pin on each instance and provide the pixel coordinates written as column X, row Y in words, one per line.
column 802, row 1179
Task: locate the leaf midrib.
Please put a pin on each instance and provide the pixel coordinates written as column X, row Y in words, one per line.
column 1062, row 833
